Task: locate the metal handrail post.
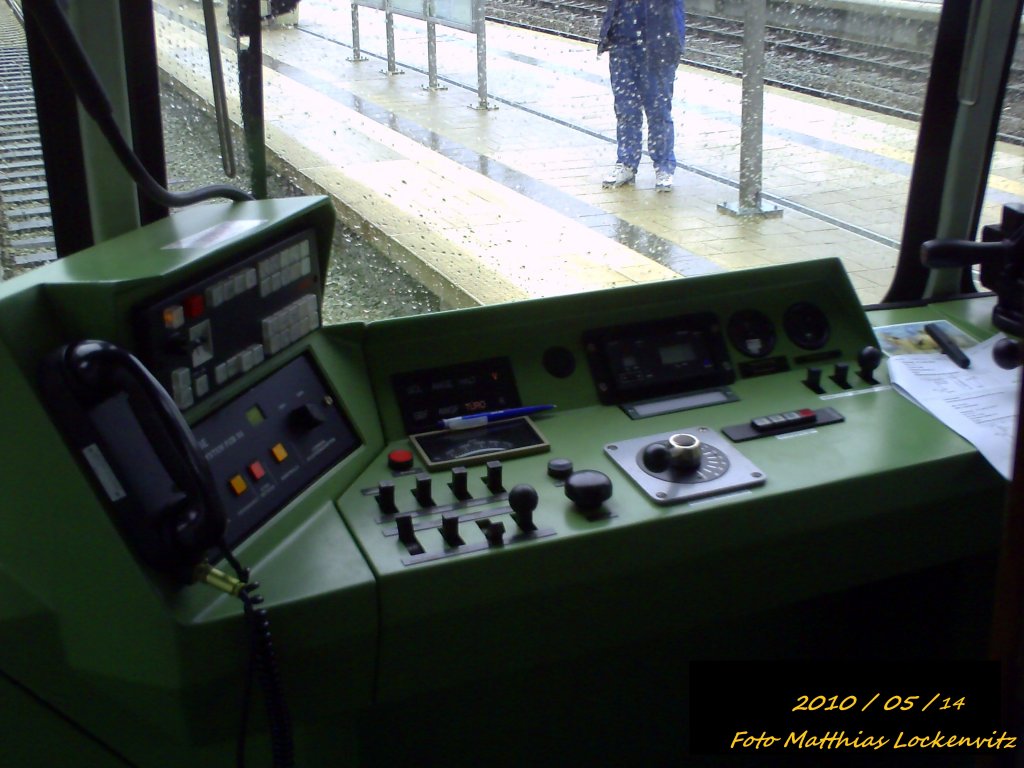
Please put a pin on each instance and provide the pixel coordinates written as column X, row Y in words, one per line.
column 357, row 54
column 479, row 23
column 220, row 109
column 432, row 83
column 752, row 115
column 389, row 33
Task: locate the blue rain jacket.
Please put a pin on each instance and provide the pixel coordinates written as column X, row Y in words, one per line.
column 660, row 23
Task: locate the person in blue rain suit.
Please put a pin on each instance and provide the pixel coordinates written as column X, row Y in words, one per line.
column 644, row 40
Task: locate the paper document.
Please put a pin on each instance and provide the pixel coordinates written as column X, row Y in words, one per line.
column 979, row 403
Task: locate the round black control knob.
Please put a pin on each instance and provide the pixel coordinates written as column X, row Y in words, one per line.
column 588, row 488
column 656, row 457
column 684, row 451
column 868, row 359
column 1007, row 353
column 523, row 500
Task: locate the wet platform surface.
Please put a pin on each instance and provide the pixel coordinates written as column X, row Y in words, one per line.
column 487, row 205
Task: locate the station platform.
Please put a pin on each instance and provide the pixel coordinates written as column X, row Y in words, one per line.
column 505, row 203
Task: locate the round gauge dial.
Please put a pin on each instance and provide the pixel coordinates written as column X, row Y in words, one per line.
column 806, row 325
column 752, row 333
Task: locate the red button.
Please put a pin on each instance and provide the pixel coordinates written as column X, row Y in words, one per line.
column 194, row 306
column 257, row 471
column 400, row 459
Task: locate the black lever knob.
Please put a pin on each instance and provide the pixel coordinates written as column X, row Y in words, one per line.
column 588, row 489
column 868, row 359
column 656, row 457
column 523, row 500
column 1007, row 353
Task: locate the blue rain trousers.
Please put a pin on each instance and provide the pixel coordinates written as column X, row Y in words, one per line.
column 644, row 39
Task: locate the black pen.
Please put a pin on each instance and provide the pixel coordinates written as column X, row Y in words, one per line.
column 947, row 345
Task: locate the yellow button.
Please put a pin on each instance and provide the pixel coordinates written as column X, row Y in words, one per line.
column 279, row 452
column 238, row 485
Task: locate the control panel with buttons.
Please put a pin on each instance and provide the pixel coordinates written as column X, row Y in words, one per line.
column 205, row 336
column 273, row 441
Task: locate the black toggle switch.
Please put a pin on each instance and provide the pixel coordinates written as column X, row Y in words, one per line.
column 495, row 534
column 493, row 478
column 460, row 484
column 422, row 491
column 450, row 530
column 841, row 375
column 386, row 497
column 407, row 534
column 523, row 500
column 813, row 381
column 307, row 417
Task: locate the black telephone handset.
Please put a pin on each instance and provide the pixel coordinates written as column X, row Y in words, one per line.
column 130, row 435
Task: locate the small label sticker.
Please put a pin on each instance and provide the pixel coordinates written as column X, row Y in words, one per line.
column 103, row 472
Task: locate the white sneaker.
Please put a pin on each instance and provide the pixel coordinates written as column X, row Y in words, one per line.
column 663, row 181
column 618, row 176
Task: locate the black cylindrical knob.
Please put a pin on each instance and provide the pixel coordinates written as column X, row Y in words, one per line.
column 588, row 488
column 559, row 469
column 813, row 379
column 656, row 457
column 493, row 478
column 523, row 500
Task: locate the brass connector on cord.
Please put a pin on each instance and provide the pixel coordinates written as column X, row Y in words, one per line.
column 207, row 574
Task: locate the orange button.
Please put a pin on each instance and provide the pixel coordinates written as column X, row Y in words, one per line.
column 279, row 452
column 257, row 471
column 238, row 485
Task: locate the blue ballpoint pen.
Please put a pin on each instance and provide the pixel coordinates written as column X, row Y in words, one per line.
column 479, row 419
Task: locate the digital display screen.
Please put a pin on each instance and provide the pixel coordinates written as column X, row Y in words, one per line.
column 676, row 353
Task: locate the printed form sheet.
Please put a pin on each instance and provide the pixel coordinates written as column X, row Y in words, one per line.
column 979, row 402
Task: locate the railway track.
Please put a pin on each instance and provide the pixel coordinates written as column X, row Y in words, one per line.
column 26, row 236
column 875, row 77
